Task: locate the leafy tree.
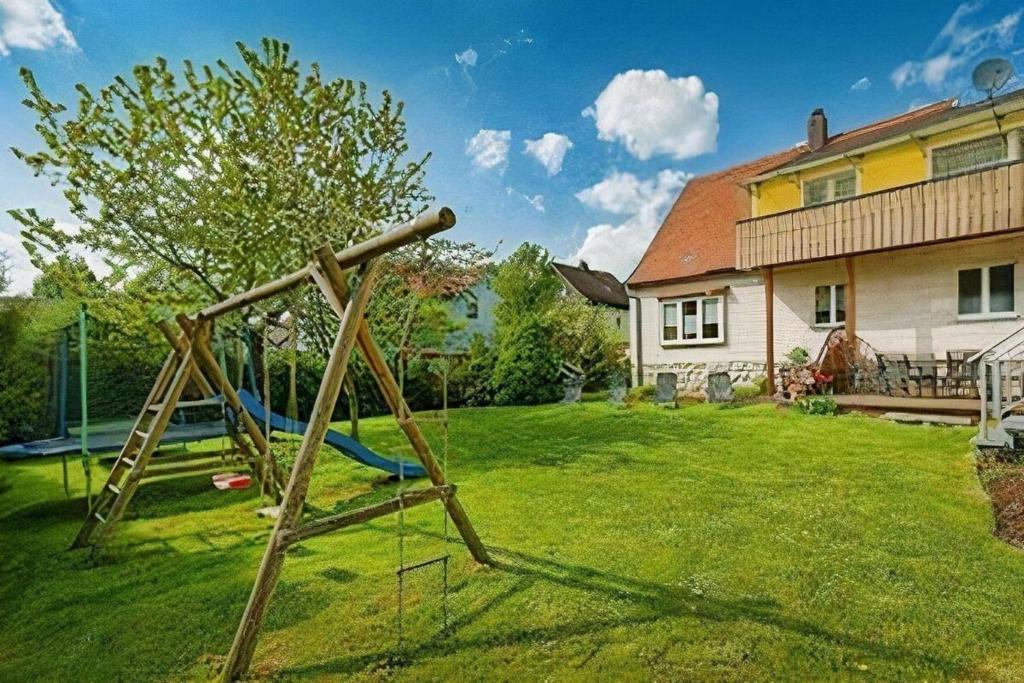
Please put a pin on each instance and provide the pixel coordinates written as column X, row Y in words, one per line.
column 217, row 178
column 585, row 336
column 526, row 284
column 526, row 368
column 5, row 271
column 66, row 277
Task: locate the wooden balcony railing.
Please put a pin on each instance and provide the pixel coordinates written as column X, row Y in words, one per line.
column 967, row 205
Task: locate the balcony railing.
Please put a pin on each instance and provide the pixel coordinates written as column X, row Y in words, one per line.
column 967, row 205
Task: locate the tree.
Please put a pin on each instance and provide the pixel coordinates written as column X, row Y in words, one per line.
column 584, row 335
column 5, row 271
column 526, row 284
column 66, row 277
column 221, row 177
column 526, row 370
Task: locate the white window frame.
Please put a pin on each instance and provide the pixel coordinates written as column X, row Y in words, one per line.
column 832, row 322
column 830, row 182
column 700, row 339
column 1013, row 148
column 985, row 313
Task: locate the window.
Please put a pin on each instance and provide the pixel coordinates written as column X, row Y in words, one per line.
column 985, row 291
column 830, row 188
column 696, row 320
column 472, row 310
column 965, row 156
column 830, row 305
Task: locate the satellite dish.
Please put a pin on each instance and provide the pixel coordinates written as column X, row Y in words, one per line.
column 991, row 75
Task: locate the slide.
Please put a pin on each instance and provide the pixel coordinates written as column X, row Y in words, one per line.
column 348, row 446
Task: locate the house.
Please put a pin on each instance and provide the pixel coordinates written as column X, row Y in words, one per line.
column 907, row 232
column 473, row 313
column 600, row 288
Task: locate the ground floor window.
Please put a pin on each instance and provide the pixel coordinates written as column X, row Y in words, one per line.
column 696, row 320
column 985, row 291
column 829, row 304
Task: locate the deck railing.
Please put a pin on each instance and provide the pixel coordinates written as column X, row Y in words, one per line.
column 971, row 204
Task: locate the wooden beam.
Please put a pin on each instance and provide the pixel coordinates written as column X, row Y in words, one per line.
column 298, row 485
column 851, row 301
column 769, row 322
column 345, row 519
column 396, row 403
column 424, row 225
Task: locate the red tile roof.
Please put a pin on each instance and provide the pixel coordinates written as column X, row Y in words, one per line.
column 699, row 233
column 698, row 236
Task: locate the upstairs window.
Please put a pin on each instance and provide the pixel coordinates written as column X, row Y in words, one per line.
column 830, row 188
column 830, row 305
column 985, row 291
column 697, row 320
column 966, row 156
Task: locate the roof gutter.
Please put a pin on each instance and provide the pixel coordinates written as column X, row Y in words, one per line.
column 978, row 116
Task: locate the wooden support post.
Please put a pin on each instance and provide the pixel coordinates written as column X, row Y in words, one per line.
column 345, row 519
column 851, row 303
column 204, row 356
column 336, row 293
column 264, row 459
column 298, row 485
column 769, row 321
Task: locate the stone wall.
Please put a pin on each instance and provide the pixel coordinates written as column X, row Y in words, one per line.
column 692, row 378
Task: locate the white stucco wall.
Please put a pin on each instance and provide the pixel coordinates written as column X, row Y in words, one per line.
column 906, row 303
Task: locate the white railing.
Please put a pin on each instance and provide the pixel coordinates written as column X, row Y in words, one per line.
column 1001, row 388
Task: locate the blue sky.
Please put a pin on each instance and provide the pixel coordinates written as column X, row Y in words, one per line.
column 638, row 98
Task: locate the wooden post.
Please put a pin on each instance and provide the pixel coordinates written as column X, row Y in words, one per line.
column 295, row 495
column 769, row 320
column 330, row 274
column 851, row 303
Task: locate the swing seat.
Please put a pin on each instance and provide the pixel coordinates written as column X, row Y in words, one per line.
column 232, row 480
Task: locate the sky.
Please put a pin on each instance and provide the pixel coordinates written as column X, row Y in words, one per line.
column 574, row 126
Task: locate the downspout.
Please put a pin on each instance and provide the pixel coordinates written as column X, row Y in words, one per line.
column 639, row 343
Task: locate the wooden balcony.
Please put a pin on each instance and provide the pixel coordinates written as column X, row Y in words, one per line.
column 972, row 204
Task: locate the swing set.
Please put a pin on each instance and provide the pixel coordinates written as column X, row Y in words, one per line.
column 191, row 359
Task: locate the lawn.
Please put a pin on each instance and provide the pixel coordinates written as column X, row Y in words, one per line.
column 702, row 543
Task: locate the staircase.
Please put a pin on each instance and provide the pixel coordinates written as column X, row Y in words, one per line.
column 1001, row 387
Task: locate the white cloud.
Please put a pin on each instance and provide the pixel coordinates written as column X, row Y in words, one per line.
column 642, row 204
column 958, row 43
column 467, row 57
column 32, row 25
column 549, row 150
column 489, row 148
column 23, row 272
column 536, row 201
column 863, row 84
column 651, row 113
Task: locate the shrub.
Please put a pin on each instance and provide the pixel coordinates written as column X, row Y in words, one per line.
column 798, row 356
column 526, row 369
column 643, row 394
column 817, row 405
column 470, row 383
column 746, row 392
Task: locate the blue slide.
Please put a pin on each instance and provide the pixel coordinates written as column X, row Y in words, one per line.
column 348, row 446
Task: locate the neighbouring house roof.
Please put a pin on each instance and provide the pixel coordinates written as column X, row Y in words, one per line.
column 698, row 235
column 597, row 286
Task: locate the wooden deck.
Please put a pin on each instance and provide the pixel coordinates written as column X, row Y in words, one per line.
column 912, row 404
column 974, row 204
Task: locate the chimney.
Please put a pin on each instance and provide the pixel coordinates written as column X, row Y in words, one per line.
column 817, row 129
column 584, row 266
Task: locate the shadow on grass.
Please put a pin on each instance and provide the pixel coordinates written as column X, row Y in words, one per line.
column 653, row 602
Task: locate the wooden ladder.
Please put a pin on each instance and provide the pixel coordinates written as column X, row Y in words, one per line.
column 142, row 442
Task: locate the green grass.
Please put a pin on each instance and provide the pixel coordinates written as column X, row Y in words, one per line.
column 702, row 543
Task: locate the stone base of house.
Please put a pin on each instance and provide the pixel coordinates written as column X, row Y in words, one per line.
column 692, row 378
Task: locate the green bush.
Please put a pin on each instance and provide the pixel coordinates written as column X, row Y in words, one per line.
column 470, row 382
column 642, row 394
column 798, row 356
column 817, row 405
column 25, row 408
column 746, row 392
column 526, row 369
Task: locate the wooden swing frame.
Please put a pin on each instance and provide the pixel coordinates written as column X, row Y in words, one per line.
column 191, row 359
